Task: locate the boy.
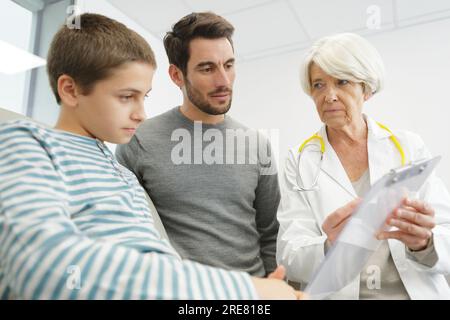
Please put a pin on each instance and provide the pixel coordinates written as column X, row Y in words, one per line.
column 75, row 223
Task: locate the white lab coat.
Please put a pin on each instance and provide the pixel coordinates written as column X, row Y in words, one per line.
column 300, row 243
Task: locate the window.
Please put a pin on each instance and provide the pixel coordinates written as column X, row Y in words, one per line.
column 15, row 29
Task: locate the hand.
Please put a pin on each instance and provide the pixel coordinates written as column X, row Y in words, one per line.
column 414, row 220
column 274, row 287
column 336, row 221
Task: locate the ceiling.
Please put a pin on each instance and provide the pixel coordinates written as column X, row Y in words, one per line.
column 36, row 5
column 271, row 27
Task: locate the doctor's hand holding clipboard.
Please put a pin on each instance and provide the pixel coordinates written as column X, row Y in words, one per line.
column 339, row 163
column 414, row 221
column 356, row 240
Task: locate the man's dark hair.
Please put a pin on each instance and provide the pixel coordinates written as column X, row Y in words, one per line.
column 195, row 25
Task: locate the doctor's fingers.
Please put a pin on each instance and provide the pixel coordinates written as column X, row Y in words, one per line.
column 333, row 232
column 332, row 229
column 342, row 213
column 411, row 229
column 412, row 242
column 301, row 295
column 420, row 206
column 415, row 217
column 278, row 273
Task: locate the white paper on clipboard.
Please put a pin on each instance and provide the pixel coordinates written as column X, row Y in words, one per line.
column 357, row 241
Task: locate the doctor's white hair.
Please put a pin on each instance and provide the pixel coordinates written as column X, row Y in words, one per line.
column 345, row 56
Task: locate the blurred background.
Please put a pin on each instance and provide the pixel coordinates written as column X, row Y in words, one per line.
column 412, row 36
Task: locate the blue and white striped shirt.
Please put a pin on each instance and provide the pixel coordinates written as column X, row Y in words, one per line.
column 75, row 224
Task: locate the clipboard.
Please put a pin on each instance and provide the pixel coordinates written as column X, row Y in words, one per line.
column 357, row 242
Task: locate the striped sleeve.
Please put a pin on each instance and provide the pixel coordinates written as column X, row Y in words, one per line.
column 43, row 255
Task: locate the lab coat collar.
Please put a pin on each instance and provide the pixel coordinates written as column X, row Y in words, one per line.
column 332, row 166
column 380, row 158
column 374, row 130
column 376, row 152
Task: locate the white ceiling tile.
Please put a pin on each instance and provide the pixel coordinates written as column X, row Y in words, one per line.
column 419, row 10
column 223, row 7
column 271, row 27
column 326, row 17
column 264, row 28
column 155, row 16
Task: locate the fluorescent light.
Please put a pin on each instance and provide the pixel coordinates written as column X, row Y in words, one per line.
column 15, row 60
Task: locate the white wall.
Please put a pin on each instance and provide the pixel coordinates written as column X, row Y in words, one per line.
column 268, row 95
column 416, row 97
column 165, row 95
column 12, row 87
column 45, row 108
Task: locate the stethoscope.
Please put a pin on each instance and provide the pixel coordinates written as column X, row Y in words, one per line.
column 316, row 136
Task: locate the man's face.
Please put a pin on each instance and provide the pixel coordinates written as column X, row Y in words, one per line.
column 114, row 108
column 208, row 83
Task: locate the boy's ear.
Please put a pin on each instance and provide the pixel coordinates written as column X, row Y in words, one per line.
column 68, row 91
column 176, row 75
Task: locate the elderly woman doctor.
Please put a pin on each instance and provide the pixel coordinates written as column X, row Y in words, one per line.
column 340, row 73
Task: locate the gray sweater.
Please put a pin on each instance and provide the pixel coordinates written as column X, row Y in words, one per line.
column 217, row 209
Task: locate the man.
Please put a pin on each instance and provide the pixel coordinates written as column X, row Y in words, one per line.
column 217, row 208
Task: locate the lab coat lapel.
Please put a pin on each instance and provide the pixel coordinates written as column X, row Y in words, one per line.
column 380, row 155
column 333, row 168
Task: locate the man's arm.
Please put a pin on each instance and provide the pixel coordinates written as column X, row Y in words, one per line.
column 267, row 199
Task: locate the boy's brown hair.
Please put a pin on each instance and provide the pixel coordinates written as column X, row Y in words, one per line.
column 90, row 53
column 195, row 25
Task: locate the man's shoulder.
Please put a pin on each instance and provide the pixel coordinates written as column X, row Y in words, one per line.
column 240, row 128
column 232, row 123
column 153, row 132
column 160, row 119
column 160, row 124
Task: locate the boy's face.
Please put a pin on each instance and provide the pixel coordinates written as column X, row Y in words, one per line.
column 114, row 108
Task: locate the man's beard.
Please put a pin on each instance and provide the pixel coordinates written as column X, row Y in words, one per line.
column 197, row 100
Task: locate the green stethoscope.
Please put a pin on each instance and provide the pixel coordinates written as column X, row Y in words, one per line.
column 304, row 145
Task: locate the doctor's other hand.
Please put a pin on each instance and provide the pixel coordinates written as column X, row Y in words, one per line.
column 414, row 220
column 274, row 287
column 335, row 222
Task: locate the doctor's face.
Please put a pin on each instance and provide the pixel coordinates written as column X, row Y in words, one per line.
column 338, row 102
